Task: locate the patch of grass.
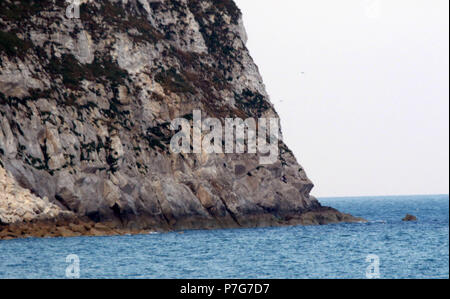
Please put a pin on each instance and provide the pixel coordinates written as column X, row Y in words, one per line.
column 70, row 69
column 12, row 45
column 252, row 102
column 105, row 71
column 173, row 81
column 215, row 34
column 230, row 7
column 154, row 143
column 122, row 17
column 147, row 31
column 24, row 9
column 2, row 99
column 109, row 70
column 188, row 116
column 159, row 136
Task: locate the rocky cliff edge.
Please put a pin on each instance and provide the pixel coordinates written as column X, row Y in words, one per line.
column 86, row 103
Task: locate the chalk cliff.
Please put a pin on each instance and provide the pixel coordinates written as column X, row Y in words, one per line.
column 85, row 109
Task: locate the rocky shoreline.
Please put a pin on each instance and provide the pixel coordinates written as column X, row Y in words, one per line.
column 71, row 226
column 25, row 215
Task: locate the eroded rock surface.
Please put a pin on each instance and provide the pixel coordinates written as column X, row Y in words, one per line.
column 18, row 204
column 85, row 108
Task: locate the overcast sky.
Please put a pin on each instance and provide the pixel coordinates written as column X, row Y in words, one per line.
column 370, row 113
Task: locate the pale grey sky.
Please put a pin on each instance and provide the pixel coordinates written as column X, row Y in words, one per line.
column 370, row 114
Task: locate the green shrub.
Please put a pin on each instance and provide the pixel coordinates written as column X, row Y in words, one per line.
column 173, row 81
column 24, row 9
column 105, row 71
column 13, row 45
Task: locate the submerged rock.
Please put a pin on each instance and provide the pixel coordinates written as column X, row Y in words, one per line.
column 409, row 217
column 85, row 111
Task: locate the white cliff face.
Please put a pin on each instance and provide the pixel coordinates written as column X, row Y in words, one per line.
column 18, row 204
column 181, row 24
column 16, row 78
column 85, row 108
column 135, row 59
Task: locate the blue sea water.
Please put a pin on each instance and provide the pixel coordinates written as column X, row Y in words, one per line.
column 405, row 249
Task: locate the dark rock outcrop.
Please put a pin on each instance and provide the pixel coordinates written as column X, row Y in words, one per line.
column 409, row 217
column 85, row 108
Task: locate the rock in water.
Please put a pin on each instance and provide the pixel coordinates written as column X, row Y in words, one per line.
column 85, row 110
column 409, row 217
